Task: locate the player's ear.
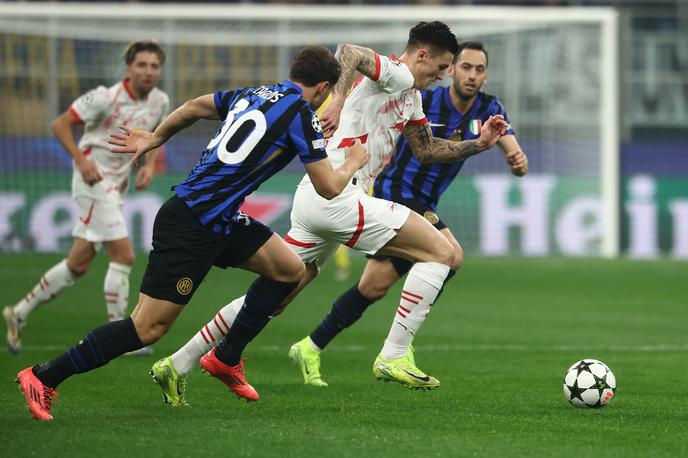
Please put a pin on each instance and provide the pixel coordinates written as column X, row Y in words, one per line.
column 323, row 87
column 422, row 54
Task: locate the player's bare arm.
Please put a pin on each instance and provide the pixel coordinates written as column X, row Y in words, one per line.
column 429, row 148
column 62, row 128
column 353, row 60
column 329, row 182
column 140, row 142
column 514, row 155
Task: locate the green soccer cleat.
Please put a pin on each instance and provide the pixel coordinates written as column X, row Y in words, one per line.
column 403, row 370
column 172, row 383
column 308, row 361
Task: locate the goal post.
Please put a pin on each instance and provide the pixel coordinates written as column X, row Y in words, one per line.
column 554, row 69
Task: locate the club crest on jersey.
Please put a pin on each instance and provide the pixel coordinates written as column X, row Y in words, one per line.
column 475, row 126
column 315, row 122
column 184, row 286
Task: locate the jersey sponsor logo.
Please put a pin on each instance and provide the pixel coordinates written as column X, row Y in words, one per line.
column 431, row 217
column 184, row 286
column 315, row 122
column 268, row 94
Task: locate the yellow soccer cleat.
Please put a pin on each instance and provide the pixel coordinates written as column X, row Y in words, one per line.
column 308, row 360
column 172, row 383
column 403, row 370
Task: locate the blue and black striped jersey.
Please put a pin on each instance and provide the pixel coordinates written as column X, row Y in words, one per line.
column 404, row 177
column 263, row 129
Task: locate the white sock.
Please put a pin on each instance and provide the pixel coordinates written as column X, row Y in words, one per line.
column 209, row 336
column 116, row 290
column 53, row 281
column 420, row 290
column 313, row 345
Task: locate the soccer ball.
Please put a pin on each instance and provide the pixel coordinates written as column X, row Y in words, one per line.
column 589, row 383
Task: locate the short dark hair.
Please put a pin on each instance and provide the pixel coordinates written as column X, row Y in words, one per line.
column 476, row 46
column 143, row 46
column 436, row 35
column 313, row 65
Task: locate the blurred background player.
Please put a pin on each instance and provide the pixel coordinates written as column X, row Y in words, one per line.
column 384, row 102
column 456, row 112
column 99, row 183
column 201, row 226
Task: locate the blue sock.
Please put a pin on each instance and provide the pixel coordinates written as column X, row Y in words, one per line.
column 346, row 310
column 263, row 298
column 98, row 348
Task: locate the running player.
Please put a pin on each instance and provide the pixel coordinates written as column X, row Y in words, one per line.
column 200, row 225
column 384, row 102
column 456, row 111
column 99, row 183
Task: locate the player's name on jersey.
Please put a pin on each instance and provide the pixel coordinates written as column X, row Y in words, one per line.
column 268, row 94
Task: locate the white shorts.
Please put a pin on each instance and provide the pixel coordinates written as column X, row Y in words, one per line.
column 353, row 218
column 100, row 220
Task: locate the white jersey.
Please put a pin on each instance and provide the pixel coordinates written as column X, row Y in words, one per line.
column 375, row 112
column 103, row 110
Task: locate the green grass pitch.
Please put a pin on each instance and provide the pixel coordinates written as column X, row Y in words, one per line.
column 500, row 341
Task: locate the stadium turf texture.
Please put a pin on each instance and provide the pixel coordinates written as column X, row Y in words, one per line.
column 499, row 340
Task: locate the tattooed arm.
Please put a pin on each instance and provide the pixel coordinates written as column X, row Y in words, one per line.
column 352, row 59
column 428, row 148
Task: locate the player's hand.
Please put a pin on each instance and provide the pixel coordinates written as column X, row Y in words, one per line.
column 329, row 119
column 518, row 161
column 136, row 142
column 144, row 177
column 89, row 172
column 358, row 153
column 495, row 127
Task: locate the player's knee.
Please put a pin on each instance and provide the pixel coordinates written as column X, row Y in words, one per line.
column 443, row 252
column 458, row 258
column 374, row 290
column 78, row 268
column 290, row 272
column 151, row 333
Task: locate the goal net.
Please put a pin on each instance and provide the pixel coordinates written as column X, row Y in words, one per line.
column 553, row 69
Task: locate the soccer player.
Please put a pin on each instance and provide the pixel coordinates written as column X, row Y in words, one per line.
column 383, row 103
column 200, row 226
column 455, row 111
column 99, row 183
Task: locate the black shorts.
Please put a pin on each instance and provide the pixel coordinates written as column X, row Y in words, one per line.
column 423, row 211
column 184, row 251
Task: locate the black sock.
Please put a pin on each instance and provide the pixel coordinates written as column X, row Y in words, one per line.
column 263, row 298
column 98, row 348
column 451, row 273
column 346, row 310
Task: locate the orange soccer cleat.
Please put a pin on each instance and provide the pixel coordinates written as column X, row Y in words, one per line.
column 232, row 376
column 38, row 396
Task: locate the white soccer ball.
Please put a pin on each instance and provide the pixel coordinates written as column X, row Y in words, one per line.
column 589, row 383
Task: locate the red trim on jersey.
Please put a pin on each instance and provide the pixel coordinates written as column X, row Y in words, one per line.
column 90, row 214
column 378, row 67
column 87, row 151
column 417, row 122
column 125, row 84
column 357, row 82
column 293, row 241
column 393, row 57
column 75, row 116
column 359, row 227
column 349, row 141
